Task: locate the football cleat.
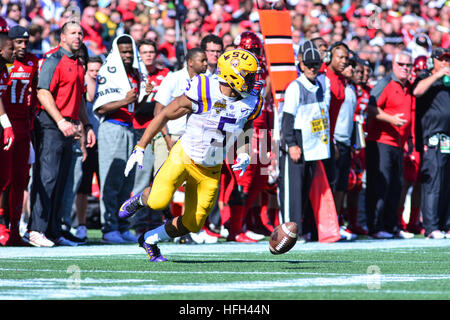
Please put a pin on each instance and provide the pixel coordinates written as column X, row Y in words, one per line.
column 152, row 250
column 130, row 206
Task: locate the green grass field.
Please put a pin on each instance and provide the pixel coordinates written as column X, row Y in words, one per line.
column 360, row 270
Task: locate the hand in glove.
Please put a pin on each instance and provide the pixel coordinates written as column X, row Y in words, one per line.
column 242, row 162
column 136, row 157
column 8, row 134
column 8, row 138
column 257, row 87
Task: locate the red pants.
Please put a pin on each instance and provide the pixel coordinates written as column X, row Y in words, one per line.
column 252, row 184
column 14, row 171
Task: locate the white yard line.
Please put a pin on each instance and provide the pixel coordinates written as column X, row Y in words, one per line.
column 86, row 288
column 260, row 247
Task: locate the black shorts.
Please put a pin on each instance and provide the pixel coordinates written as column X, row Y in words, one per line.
column 343, row 166
column 90, row 165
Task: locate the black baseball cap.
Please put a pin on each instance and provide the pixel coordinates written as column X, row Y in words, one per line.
column 18, row 32
column 308, row 44
column 311, row 56
column 439, row 53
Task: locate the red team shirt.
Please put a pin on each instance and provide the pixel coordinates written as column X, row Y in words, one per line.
column 141, row 121
column 337, row 89
column 17, row 98
column 362, row 102
column 393, row 98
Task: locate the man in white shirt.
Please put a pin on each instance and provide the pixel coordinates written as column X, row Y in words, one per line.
column 342, row 139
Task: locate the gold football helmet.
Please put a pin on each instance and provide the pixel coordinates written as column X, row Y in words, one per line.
column 238, row 68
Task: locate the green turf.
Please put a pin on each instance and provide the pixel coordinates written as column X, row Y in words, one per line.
column 387, row 274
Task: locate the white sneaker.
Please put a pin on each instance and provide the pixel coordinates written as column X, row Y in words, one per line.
column 37, row 239
column 198, row 237
column 436, row 234
column 404, row 235
column 224, row 232
column 112, row 237
column 129, row 237
column 254, row 236
column 208, row 238
column 383, row 235
column 346, row 235
column 81, row 232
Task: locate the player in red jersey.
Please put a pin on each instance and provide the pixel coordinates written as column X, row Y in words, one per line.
column 19, row 100
column 240, row 192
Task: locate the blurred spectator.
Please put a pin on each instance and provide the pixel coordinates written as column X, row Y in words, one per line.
column 167, row 48
column 36, row 44
column 213, row 47
column 104, row 17
column 13, row 13
column 137, row 32
column 92, row 31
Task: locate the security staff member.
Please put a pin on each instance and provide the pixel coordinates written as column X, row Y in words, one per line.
column 433, row 141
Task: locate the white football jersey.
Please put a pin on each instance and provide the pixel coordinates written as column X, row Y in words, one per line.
column 216, row 120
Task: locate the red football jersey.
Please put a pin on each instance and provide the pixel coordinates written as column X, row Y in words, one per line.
column 362, row 101
column 4, row 78
column 20, row 87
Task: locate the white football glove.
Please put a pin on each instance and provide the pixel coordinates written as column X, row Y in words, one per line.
column 136, row 157
column 242, row 162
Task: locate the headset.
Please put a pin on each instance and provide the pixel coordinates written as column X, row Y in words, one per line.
column 430, row 63
column 329, row 54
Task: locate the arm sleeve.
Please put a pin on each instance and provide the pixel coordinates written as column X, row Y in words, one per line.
column 198, row 92
column 258, row 108
column 376, row 95
column 48, row 72
column 287, row 129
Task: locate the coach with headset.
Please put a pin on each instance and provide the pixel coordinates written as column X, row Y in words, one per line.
column 336, row 60
column 433, row 142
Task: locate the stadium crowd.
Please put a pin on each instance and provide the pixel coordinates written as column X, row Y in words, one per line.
column 374, row 73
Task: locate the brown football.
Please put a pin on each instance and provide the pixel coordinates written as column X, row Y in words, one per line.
column 283, row 238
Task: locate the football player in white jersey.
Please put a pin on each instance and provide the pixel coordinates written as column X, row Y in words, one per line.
column 218, row 110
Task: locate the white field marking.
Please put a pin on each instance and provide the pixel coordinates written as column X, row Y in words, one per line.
column 178, row 272
column 260, row 247
column 57, row 288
